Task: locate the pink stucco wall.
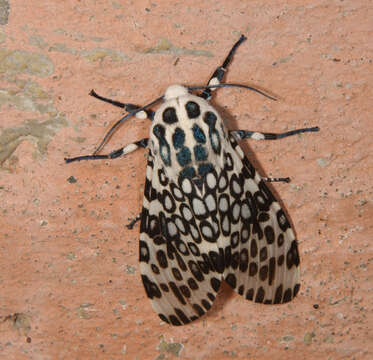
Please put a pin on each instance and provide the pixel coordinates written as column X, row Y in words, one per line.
column 70, row 285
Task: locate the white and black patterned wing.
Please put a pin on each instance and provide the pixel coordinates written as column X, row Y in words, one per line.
column 180, row 270
column 262, row 255
column 207, row 215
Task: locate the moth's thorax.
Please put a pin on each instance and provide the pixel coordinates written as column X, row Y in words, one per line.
column 187, row 135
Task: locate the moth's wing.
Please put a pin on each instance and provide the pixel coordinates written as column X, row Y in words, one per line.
column 262, row 258
column 181, row 272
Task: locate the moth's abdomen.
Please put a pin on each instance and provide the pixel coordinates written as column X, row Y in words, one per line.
column 188, row 135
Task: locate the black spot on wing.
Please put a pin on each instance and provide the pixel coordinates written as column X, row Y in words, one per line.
column 292, row 256
column 185, row 291
column 250, row 294
column 151, row 288
column 287, row 296
column 231, row 280
column 144, row 251
column 263, row 273
column 164, row 318
column 192, row 284
column 182, row 316
column 177, row 292
column 269, row 234
column 282, row 220
column 174, row 320
column 198, row 309
column 215, row 283
column 206, row 304
column 272, row 270
column 217, row 260
column 278, row 295
column 260, row 294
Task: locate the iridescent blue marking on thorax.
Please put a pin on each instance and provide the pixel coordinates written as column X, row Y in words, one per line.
column 178, row 138
column 187, row 135
column 200, row 153
column 198, row 134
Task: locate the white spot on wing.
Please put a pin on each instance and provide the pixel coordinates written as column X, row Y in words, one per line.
column 206, row 231
column 172, row 230
column 187, row 214
column 225, row 224
column 199, row 207
column 194, row 231
column 236, row 211
column 215, row 140
column 164, row 152
column 168, row 203
column 222, row 182
column 182, row 247
column 186, row 186
column 245, row 211
column 180, row 225
column 178, row 193
column 211, row 180
column 210, row 202
column 236, row 187
column 223, row 204
column 144, row 252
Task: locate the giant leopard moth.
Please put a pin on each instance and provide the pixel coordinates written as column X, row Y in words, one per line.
column 207, row 214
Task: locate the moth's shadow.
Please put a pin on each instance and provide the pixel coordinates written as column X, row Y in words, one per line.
column 224, row 295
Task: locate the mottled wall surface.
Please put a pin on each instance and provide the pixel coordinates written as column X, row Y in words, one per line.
column 70, row 285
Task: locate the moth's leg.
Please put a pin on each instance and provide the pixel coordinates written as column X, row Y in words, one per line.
column 245, row 134
column 218, row 74
column 114, row 154
column 133, row 222
column 269, row 179
column 143, row 114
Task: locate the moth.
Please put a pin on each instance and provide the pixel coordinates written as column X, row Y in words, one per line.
column 207, row 213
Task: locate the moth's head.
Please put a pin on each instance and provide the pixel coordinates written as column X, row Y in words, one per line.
column 174, row 91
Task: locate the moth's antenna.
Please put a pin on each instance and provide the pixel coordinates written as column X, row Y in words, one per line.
column 110, row 101
column 135, row 111
column 120, row 121
column 191, row 88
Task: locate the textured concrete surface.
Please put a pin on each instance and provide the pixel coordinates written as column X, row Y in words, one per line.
column 70, row 286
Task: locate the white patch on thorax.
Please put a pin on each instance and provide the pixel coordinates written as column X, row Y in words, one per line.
column 175, row 91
